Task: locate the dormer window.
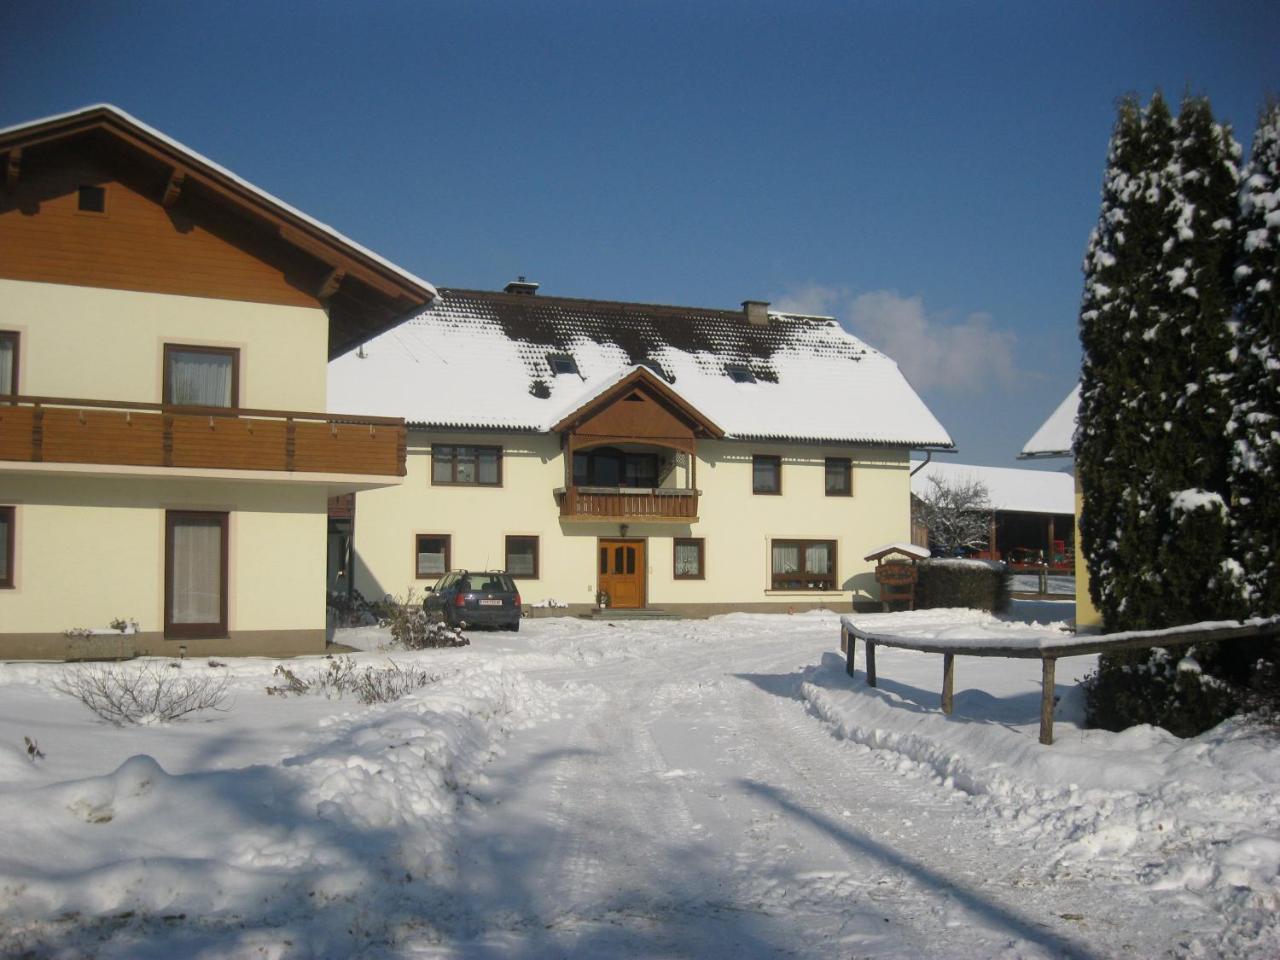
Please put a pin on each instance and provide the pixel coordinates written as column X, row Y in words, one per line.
column 739, row 374
column 562, row 363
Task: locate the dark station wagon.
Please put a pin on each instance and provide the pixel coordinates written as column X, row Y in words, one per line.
column 475, row 598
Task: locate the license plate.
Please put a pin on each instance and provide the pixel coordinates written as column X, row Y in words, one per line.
column 490, row 603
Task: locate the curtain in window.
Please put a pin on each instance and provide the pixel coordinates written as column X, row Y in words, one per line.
column 488, row 465
column 442, row 464
column 199, row 379
column 817, row 558
column 8, row 348
column 197, row 571
column 687, row 560
column 520, row 558
column 786, row 558
column 431, row 556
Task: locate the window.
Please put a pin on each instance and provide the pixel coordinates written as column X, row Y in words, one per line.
column 690, row 559
column 562, row 363
column 739, row 374
column 475, row 466
column 522, row 557
column 6, row 547
column 201, row 376
column 93, row 199
column 195, row 564
column 839, row 477
column 430, row 555
column 804, row 564
column 8, row 361
column 766, row 474
column 611, row 467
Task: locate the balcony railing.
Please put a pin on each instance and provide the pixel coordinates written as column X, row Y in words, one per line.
column 628, row 503
column 60, row 430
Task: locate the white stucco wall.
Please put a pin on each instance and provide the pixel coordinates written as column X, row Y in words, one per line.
column 736, row 524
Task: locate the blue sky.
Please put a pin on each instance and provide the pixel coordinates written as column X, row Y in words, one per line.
column 928, row 173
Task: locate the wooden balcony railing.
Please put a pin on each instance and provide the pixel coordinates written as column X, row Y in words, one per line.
column 60, row 430
column 628, row 503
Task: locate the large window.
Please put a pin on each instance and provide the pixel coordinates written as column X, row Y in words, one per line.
column 522, row 557
column 196, row 563
column 430, row 555
column 804, row 564
column 6, row 546
column 839, row 477
column 475, row 466
column 611, row 467
column 690, row 558
column 766, row 474
column 201, row 376
column 8, row 361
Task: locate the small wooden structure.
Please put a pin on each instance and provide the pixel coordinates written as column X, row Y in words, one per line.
column 896, row 572
column 1048, row 651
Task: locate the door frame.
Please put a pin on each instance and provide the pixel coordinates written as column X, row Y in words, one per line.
column 644, row 567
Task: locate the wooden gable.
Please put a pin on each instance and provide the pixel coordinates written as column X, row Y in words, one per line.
column 639, row 409
column 173, row 222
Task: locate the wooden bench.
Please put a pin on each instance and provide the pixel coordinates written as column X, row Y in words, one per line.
column 1048, row 651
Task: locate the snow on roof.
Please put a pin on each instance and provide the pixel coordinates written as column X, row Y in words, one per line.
column 199, row 158
column 1010, row 488
column 479, row 360
column 910, row 549
column 1054, row 438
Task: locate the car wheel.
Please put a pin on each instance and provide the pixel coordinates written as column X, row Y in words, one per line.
column 514, row 626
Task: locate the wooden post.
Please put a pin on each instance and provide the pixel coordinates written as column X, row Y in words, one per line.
column 948, row 680
column 850, row 643
column 1046, row 700
column 844, row 639
column 871, row 662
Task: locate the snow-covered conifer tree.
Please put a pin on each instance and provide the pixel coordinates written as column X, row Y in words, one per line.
column 1118, row 306
column 1256, row 420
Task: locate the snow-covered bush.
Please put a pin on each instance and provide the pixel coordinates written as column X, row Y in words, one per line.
column 978, row 584
column 355, row 610
column 1161, row 688
column 146, row 693
column 412, row 629
column 341, row 677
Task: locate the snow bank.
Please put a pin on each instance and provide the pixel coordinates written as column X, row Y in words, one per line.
column 338, row 843
column 1198, row 816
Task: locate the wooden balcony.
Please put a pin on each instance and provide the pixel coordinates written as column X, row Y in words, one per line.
column 628, row 504
column 54, row 430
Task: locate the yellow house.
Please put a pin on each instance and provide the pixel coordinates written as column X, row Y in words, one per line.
column 1054, row 439
column 693, row 460
column 165, row 461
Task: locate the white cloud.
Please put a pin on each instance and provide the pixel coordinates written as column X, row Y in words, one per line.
column 934, row 352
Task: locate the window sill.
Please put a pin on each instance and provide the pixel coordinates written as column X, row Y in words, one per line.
column 825, row 594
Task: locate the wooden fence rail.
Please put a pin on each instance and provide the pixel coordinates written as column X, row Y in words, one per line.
column 1048, row 651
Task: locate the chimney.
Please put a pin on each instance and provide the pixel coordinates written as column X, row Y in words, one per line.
column 757, row 312
column 521, row 285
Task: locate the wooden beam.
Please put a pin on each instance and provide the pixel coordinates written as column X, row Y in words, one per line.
column 173, row 189
column 948, row 681
column 13, row 168
column 1047, row 699
column 332, row 280
column 871, row 660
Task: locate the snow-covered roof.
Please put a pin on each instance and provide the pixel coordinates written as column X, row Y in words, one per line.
column 479, row 360
column 1010, row 488
column 1054, row 438
column 200, row 159
column 910, row 549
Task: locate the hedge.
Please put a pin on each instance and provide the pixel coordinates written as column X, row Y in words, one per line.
column 981, row 584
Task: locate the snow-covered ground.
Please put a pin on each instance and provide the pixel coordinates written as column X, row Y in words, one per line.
column 708, row 788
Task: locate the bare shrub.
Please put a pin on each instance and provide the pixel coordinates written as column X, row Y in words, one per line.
column 412, row 629
column 142, row 694
column 342, row 677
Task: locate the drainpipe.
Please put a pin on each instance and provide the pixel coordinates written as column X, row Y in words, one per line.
column 928, row 455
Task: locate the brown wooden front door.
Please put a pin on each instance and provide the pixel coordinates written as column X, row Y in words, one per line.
column 621, row 568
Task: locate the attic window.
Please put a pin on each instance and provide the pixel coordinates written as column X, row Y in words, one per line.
column 739, row 374
column 634, row 398
column 93, row 199
column 562, row 363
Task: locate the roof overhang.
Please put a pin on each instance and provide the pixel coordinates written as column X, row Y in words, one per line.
column 365, row 293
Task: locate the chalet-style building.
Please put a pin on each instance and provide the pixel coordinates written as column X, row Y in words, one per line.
column 1055, row 439
column 165, row 329
column 693, row 460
